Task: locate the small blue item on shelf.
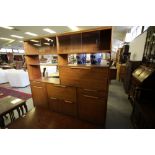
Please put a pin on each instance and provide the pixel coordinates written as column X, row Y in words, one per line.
column 81, row 58
column 96, row 58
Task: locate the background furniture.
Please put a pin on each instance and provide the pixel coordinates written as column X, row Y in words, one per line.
column 82, row 90
column 18, row 78
column 3, row 77
column 8, row 105
column 142, row 97
column 130, row 67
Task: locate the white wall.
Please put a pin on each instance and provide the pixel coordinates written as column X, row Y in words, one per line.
column 137, row 47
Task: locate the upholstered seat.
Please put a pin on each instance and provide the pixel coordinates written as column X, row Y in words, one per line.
column 3, row 77
column 18, row 78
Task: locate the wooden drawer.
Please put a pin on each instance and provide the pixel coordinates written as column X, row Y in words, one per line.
column 55, row 104
column 39, row 95
column 92, row 92
column 63, row 106
column 69, row 108
column 61, row 92
column 92, row 109
column 84, row 77
column 37, row 83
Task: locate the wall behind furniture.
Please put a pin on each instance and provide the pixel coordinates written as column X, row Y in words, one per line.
column 136, row 47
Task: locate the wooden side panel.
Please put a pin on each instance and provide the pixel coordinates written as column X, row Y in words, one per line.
column 30, row 49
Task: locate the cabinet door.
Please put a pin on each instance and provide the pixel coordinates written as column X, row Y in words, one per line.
column 39, row 95
column 92, row 108
column 90, row 41
column 76, row 43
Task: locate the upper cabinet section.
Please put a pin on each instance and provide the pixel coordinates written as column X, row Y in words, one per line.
column 70, row 44
column 41, row 46
column 85, row 42
column 91, row 41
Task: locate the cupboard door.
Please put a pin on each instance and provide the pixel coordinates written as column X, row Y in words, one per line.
column 76, row 43
column 55, row 104
column 69, row 108
column 92, row 109
column 90, row 41
column 64, row 44
column 39, row 95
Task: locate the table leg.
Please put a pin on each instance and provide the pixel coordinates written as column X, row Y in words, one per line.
column 18, row 110
column 25, row 106
column 2, row 124
column 21, row 107
column 12, row 117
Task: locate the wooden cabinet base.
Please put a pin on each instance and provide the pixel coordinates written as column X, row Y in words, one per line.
column 92, row 108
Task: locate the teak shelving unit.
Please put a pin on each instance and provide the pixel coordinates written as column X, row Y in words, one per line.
column 81, row 90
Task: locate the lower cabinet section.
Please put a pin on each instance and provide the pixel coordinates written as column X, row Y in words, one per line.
column 62, row 99
column 63, row 106
column 92, row 108
column 86, row 104
column 39, row 95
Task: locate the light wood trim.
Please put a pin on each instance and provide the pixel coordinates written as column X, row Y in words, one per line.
column 37, row 87
column 92, row 90
column 53, row 98
column 94, row 97
column 80, row 67
column 68, row 101
column 60, row 86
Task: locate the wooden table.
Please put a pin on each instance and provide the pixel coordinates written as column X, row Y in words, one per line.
column 8, row 104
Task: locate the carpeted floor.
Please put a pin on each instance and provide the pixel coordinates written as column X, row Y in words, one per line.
column 119, row 108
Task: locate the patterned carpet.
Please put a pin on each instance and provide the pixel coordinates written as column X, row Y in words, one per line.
column 7, row 91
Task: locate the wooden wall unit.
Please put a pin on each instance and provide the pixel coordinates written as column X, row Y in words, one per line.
column 83, row 89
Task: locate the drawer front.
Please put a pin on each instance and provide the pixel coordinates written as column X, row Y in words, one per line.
column 96, row 73
column 69, row 108
column 39, row 96
column 55, row 104
column 61, row 92
column 92, row 109
column 86, row 83
column 92, row 92
column 94, row 78
column 37, row 83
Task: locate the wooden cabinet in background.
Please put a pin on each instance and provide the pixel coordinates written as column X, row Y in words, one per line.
column 39, row 94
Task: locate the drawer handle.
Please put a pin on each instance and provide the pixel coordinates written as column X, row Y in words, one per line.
column 53, row 98
column 80, row 68
column 90, row 90
column 68, row 101
column 36, row 82
column 37, row 87
column 60, row 86
column 94, row 97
